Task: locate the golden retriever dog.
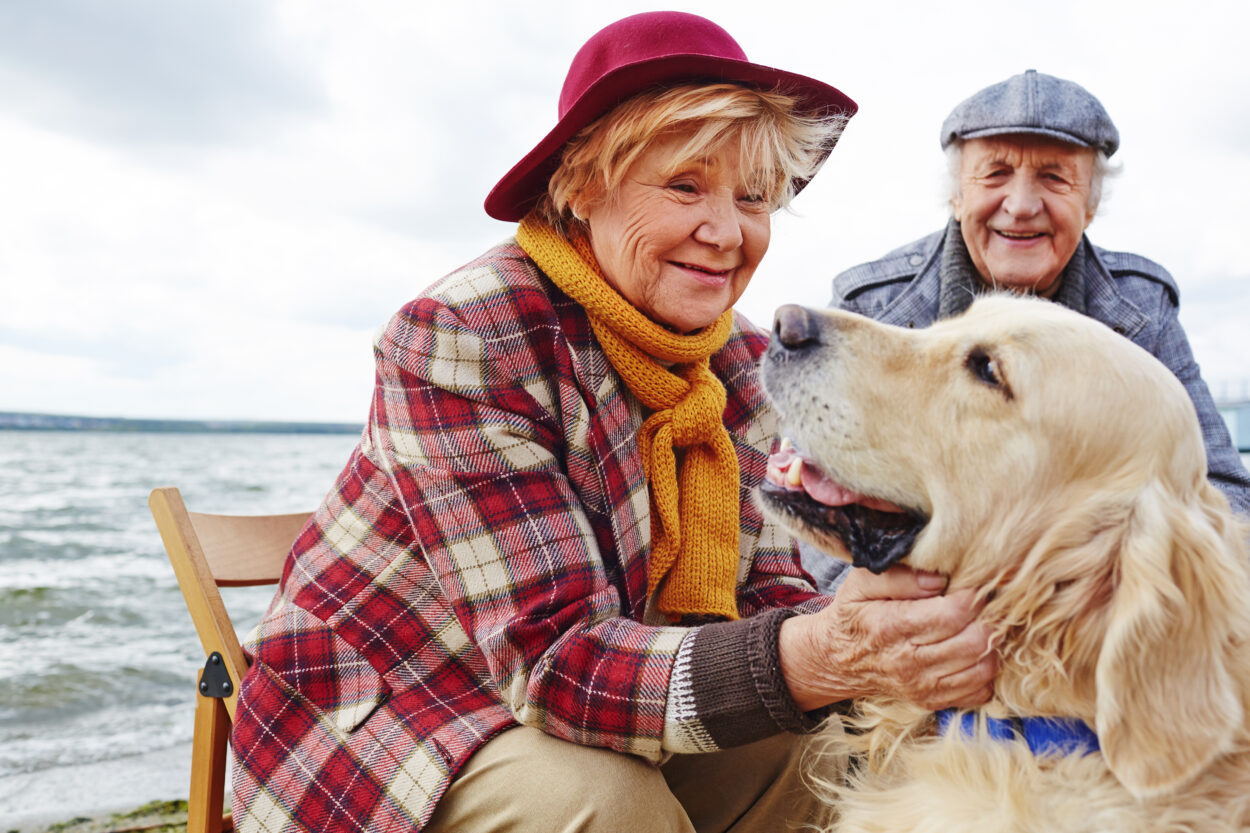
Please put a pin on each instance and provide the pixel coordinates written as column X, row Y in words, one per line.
column 1031, row 453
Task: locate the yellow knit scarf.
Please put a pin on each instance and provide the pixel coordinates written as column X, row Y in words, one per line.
column 694, row 526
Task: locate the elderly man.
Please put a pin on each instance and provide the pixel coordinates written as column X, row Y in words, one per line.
column 1027, row 160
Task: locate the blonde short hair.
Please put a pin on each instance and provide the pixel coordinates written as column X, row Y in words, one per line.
column 778, row 145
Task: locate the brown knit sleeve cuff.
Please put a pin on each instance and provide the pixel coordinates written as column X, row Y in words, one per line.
column 736, row 691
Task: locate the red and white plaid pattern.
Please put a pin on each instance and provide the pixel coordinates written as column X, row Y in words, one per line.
column 481, row 561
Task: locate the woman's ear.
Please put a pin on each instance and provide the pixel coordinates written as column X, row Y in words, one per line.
column 582, row 203
column 1169, row 700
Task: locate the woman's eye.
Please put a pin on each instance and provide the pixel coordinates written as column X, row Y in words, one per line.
column 683, row 187
column 983, row 366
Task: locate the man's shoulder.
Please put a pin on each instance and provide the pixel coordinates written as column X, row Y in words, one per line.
column 896, row 267
column 1128, row 268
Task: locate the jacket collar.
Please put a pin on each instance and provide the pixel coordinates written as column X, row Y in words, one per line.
column 1104, row 302
column 919, row 302
column 959, row 283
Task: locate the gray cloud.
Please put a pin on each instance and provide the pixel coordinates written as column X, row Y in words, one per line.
column 151, row 72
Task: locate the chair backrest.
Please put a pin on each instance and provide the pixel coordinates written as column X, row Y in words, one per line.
column 211, row 551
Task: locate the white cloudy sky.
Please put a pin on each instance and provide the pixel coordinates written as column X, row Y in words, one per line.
column 208, row 207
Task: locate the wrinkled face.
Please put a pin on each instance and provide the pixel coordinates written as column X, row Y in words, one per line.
column 1023, row 206
column 994, row 415
column 680, row 241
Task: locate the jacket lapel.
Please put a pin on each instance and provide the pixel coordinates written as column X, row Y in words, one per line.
column 1104, row 303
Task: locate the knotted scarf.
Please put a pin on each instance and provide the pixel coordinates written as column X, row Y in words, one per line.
column 694, row 527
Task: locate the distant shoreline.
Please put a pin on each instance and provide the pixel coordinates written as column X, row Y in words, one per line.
column 15, row 421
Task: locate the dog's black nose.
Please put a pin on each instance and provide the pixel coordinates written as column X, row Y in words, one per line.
column 795, row 328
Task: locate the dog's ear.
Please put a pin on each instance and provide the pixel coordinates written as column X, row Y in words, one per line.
column 1167, row 702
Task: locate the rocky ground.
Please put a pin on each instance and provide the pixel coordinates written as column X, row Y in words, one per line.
column 156, row 817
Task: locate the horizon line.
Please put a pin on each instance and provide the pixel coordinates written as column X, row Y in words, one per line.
column 35, row 421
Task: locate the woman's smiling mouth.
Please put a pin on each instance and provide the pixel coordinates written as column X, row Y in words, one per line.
column 712, row 277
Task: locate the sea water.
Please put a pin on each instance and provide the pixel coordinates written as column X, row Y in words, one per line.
column 98, row 656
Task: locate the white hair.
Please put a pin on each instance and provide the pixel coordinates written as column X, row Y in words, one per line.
column 1103, row 169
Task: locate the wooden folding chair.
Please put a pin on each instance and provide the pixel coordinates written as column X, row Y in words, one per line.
column 208, row 552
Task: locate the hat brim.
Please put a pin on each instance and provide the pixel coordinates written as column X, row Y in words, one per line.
column 521, row 188
column 986, row 132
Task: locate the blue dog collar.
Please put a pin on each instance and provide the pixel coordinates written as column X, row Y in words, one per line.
column 1044, row 735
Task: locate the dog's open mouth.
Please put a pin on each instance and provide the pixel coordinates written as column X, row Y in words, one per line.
column 877, row 533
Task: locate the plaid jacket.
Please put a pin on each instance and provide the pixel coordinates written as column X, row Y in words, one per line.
column 482, row 562
column 1134, row 296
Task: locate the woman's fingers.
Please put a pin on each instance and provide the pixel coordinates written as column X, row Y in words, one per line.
column 896, row 633
column 927, row 650
column 898, row 582
column 937, row 619
column 958, row 671
column 917, row 621
column 966, row 689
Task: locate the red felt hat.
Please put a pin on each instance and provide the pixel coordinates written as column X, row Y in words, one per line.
column 629, row 56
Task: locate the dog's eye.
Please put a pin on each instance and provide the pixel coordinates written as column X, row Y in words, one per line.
column 983, row 366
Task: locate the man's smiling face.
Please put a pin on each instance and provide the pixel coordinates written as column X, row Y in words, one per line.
column 1023, row 205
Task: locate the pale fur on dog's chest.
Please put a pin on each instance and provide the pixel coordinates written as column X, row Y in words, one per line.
column 949, row 784
column 934, row 784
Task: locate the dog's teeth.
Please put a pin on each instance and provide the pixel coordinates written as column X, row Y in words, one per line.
column 785, row 444
column 794, row 476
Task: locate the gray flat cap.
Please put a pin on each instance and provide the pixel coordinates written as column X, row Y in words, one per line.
column 1034, row 102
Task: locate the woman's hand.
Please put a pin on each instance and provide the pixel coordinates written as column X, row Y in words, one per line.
column 894, row 634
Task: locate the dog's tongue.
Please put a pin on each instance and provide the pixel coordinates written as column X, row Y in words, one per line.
column 818, row 485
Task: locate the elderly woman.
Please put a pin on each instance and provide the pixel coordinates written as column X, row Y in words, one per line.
column 1027, row 160
column 539, row 596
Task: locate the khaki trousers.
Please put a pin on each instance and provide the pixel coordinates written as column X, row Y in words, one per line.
column 524, row 781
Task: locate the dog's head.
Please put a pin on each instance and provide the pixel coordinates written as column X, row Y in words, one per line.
column 1032, row 453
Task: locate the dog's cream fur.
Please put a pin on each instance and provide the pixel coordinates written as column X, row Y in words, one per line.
column 1073, row 496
